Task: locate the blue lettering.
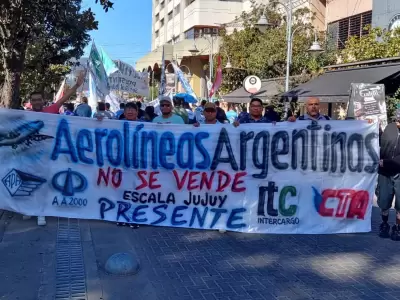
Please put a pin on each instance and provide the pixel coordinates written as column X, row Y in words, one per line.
column 84, row 142
column 63, row 132
column 123, row 207
column 162, row 215
column 224, row 140
column 127, row 160
column 136, row 213
column 232, row 218
column 218, row 212
column 188, row 138
column 201, row 219
column 175, row 215
column 105, row 206
column 263, row 164
column 146, row 137
column 116, row 136
column 99, row 134
column 200, row 147
column 167, row 148
column 135, row 143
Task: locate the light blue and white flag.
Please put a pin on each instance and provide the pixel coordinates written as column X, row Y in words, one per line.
column 109, row 66
column 182, row 79
column 99, row 74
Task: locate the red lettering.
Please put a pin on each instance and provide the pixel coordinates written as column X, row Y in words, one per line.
column 222, row 185
column 237, row 181
column 152, row 180
column 355, row 203
column 116, row 177
column 192, row 181
column 207, row 181
column 180, row 183
column 141, row 175
column 358, row 205
column 323, row 210
column 102, row 176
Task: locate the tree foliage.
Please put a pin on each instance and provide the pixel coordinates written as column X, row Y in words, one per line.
column 264, row 54
column 37, row 39
column 376, row 43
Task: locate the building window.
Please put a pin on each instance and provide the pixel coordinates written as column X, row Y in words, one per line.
column 157, row 33
column 170, row 16
column 162, row 5
column 162, row 22
column 188, row 2
column 323, row 2
column 198, row 32
column 157, row 17
column 340, row 31
column 177, row 9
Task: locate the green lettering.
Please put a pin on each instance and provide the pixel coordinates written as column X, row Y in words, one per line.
column 292, row 209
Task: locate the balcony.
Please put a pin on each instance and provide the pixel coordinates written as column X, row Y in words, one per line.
column 209, row 12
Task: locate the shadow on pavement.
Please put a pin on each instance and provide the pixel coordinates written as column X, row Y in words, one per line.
column 199, row 264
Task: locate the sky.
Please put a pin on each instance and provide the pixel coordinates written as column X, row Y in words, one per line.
column 125, row 31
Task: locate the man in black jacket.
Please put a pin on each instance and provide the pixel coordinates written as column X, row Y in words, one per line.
column 389, row 179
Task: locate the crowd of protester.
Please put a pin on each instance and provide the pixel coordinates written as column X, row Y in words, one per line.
column 177, row 111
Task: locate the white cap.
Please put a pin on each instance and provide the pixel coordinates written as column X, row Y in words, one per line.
column 165, row 98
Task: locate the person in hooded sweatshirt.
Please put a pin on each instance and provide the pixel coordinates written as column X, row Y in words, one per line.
column 389, row 179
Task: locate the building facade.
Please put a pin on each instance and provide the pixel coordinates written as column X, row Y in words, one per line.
column 182, row 25
column 386, row 14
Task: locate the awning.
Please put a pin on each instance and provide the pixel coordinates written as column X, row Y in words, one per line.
column 334, row 86
column 269, row 89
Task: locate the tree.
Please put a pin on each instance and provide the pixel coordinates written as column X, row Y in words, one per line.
column 264, row 54
column 39, row 34
column 376, row 43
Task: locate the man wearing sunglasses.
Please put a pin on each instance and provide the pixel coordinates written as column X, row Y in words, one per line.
column 167, row 117
column 210, row 115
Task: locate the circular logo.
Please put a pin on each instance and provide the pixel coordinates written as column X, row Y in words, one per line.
column 394, row 22
column 252, row 84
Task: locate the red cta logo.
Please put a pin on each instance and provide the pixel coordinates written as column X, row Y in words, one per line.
column 349, row 203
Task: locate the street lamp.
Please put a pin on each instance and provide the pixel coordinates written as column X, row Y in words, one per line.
column 263, row 24
column 210, row 40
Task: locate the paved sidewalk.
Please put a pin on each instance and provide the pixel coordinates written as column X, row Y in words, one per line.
column 194, row 264
column 26, row 258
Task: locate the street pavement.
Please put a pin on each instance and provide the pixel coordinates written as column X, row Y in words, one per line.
column 47, row 263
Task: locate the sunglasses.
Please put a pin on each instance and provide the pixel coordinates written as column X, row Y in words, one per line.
column 210, row 110
column 165, row 105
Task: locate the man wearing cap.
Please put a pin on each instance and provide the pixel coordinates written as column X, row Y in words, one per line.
column 210, row 115
column 167, row 117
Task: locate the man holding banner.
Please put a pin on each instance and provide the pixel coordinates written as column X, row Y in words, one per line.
column 255, row 115
column 38, row 103
column 167, row 116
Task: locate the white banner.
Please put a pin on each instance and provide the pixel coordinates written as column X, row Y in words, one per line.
column 292, row 178
column 127, row 79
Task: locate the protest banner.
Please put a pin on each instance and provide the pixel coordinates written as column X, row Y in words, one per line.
column 302, row 177
column 126, row 79
column 369, row 102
